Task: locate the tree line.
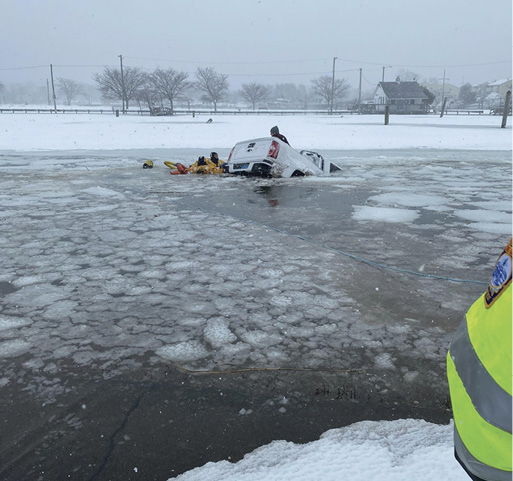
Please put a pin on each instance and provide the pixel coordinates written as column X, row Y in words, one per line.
column 132, row 83
column 166, row 87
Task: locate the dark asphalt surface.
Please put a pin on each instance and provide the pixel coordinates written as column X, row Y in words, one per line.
column 159, row 423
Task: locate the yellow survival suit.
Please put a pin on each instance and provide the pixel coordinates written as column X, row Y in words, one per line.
column 208, row 165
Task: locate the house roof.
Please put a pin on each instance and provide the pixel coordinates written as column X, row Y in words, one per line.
column 499, row 82
column 403, row 90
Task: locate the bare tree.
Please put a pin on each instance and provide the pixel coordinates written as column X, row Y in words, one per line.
column 69, row 88
column 254, row 93
column 408, row 76
column 148, row 94
column 110, row 84
column 324, row 88
column 170, row 84
column 212, row 84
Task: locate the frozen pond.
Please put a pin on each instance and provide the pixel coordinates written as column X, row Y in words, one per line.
column 109, row 269
column 105, row 261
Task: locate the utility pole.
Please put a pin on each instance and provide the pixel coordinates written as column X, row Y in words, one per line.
column 333, row 85
column 443, row 86
column 53, row 89
column 123, row 93
column 48, row 90
column 360, row 93
column 444, row 100
column 383, row 75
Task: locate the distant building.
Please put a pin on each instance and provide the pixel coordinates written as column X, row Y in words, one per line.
column 500, row 87
column 495, row 99
column 401, row 97
column 443, row 90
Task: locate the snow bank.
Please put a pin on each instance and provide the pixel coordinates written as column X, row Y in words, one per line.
column 402, row 450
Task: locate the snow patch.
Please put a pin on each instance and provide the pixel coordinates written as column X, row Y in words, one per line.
column 384, row 214
column 183, row 351
column 13, row 348
column 103, row 192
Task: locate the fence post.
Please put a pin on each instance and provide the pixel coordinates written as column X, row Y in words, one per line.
column 506, row 109
column 387, row 114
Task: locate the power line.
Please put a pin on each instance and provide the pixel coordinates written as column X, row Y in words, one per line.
column 86, row 66
column 425, row 66
column 228, row 63
column 274, row 62
column 55, row 65
column 320, row 60
column 149, row 68
column 454, row 66
column 24, row 68
column 368, row 81
column 285, row 74
column 265, row 73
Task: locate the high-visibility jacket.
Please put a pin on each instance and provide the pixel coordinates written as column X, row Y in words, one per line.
column 479, row 375
column 206, row 166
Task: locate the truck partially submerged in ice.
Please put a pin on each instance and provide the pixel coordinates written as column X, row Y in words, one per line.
column 271, row 157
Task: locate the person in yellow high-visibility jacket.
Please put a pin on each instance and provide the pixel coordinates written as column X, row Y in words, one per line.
column 479, row 372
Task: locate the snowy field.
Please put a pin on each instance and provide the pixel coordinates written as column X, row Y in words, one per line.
column 93, row 244
column 350, row 132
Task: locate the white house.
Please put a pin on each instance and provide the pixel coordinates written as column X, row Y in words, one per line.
column 401, row 97
column 500, row 87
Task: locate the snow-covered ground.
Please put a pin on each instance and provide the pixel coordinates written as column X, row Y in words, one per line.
column 350, row 132
column 402, row 450
column 59, row 173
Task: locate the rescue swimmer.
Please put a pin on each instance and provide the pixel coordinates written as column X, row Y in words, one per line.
column 208, row 165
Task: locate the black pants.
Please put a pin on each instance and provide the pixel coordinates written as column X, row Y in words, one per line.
column 472, row 476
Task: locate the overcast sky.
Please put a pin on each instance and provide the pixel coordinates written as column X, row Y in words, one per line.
column 259, row 40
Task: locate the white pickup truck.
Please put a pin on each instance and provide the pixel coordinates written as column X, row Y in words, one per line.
column 270, row 157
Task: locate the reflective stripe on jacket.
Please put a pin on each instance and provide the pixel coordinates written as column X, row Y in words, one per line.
column 479, row 374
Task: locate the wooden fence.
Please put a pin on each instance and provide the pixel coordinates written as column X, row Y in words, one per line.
column 193, row 113
column 175, row 112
